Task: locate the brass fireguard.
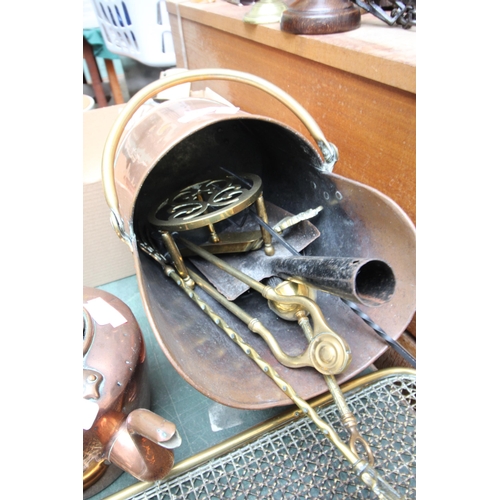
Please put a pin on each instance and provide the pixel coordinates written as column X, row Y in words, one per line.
column 287, row 454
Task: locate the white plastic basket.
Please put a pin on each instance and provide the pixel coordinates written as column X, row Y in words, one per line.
column 139, row 29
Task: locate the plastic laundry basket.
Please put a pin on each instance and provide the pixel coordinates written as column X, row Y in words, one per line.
column 139, row 29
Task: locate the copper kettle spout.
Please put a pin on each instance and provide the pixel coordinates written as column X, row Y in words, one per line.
column 143, row 445
column 120, row 433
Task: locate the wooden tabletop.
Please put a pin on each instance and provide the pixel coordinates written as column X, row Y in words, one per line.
column 375, row 50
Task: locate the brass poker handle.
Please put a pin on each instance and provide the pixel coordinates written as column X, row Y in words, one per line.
column 328, row 150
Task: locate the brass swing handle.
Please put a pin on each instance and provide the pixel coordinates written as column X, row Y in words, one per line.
column 328, row 150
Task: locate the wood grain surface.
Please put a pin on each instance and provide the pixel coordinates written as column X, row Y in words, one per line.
column 375, row 50
column 372, row 123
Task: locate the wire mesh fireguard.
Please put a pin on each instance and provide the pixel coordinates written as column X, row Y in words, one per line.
column 287, row 458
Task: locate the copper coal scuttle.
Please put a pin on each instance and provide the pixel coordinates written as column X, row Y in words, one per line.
column 267, row 278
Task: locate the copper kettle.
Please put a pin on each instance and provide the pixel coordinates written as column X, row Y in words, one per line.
column 119, row 432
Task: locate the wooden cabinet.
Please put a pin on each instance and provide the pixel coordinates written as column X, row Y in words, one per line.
column 359, row 86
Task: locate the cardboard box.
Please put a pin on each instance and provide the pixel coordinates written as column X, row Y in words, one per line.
column 105, row 257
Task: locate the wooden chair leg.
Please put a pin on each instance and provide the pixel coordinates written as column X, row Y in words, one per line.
column 113, row 81
column 88, row 55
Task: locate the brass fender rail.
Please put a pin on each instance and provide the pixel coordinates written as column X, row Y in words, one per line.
column 259, row 430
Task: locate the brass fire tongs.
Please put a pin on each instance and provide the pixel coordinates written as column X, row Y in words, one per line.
column 323, row 357
column 327, row 352
column 207, row 202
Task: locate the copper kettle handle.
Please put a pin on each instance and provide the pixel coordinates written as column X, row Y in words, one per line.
column 328, row 150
